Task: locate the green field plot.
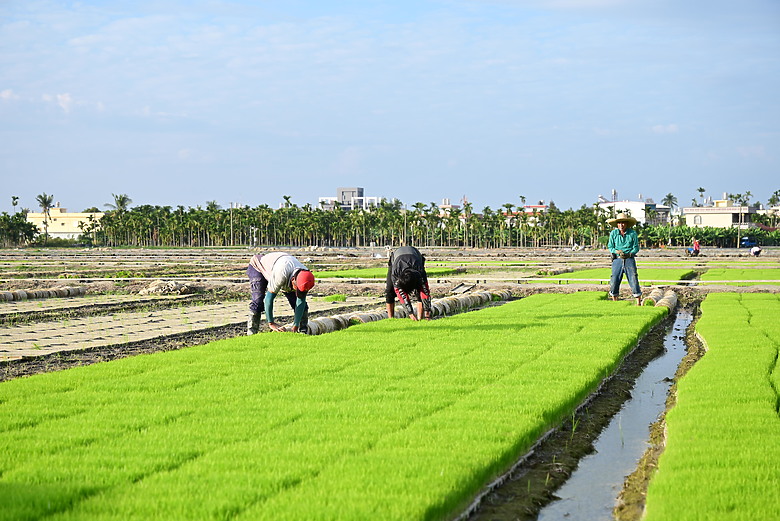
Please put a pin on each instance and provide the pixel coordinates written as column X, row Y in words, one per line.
column 497, row 264
column 715, row 275
column 646, row 275
column 391, row 420
column 376, row 273
column 722, row 456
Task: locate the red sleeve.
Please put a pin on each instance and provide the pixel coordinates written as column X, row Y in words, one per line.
column 425, row 292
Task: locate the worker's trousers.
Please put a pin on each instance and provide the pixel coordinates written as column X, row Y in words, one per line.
column 627, row 266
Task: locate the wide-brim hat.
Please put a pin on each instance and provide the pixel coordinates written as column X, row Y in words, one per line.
column 622, row 218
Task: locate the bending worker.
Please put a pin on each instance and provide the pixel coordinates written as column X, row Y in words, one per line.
column 406, row 277
column 271, row 274
column 624, row 245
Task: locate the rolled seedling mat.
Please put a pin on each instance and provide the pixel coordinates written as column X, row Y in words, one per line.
column 652, row 299
column 669, row 300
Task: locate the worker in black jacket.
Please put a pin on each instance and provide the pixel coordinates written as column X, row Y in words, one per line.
column 406, row 278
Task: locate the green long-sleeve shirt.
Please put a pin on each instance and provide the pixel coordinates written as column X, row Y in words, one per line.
column 628, row 243
column 300, row 308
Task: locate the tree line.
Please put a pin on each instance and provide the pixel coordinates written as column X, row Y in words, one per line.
column 389, row 223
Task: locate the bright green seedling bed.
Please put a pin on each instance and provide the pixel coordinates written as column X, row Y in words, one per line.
column 376, row 273
column 722, row 457
column 737, row 274
column 484, row 263
column 333, row 298
column 391, row 420
column 646, row 275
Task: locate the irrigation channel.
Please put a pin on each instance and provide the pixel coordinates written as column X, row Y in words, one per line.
column 590, row 492
column 578, row 476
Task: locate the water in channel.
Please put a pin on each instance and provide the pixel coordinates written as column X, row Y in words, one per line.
column 591, row 491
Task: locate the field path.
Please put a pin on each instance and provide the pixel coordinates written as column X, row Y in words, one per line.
column 75, row 334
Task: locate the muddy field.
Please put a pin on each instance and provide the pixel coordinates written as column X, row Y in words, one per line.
column 140, row 301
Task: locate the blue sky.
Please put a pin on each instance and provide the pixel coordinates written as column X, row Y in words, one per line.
column 175, row 102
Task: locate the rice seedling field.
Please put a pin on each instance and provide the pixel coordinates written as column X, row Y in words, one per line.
column 742, row 276
column 386, row 420
column 375, row 273
column 722, row 456
column 646, row 275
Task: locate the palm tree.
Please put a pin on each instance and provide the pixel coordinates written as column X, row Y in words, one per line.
column 14, row 201
column 467, row 222
column 771, row 202
column 121, row 203
column 671, row 201
column 120, row 206
column 701, row 194
column 509, row 220
column 45, row 202
column 741, row 200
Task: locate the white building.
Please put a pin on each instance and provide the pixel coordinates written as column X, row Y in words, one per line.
column 61, row 224
column 644, row 211
column 349, row 199
column 722, row 214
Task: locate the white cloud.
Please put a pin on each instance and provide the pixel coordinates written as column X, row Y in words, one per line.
column 671, row 128
column 65, row 101
column 752, row 151
column 7, row 95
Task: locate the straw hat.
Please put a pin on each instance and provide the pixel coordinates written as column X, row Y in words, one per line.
column 622, row 218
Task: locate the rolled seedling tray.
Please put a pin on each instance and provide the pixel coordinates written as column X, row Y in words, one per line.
column 342, row 321
column 441, row 307
column 652, row 299
column 669, row 300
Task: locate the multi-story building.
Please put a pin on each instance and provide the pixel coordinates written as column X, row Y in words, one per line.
column 61, row 224
column 644, row 211
column 349, row 199
column 722, row 214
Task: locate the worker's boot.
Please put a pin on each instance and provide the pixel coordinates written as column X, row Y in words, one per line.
column 253, row 324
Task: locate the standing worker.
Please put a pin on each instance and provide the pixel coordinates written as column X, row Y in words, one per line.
column 271, row 274
column 624, row 245
column 406, row 277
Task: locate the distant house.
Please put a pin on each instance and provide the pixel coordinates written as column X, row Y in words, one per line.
column 645, row 212
column 349, row 199
column 722, row 214
column 446, row 208
column 61, row 224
